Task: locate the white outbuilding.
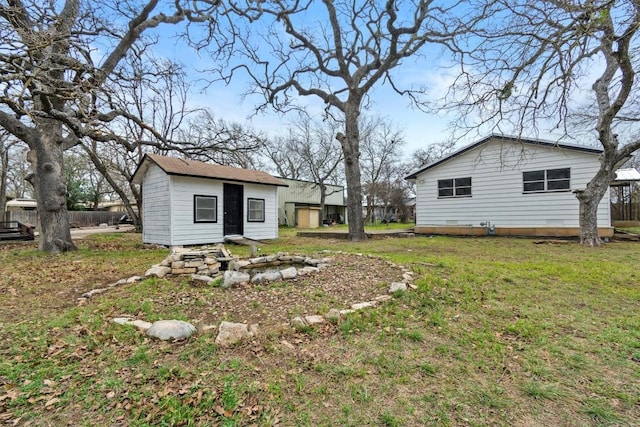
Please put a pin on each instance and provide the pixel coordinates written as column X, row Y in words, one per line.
column 504, row 185
column 187, row 202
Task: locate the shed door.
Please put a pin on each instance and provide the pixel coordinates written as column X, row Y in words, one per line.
column 233, row 219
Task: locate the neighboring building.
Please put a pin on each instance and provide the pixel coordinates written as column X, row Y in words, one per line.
column 186, row 202
column 625, row 208
column 382, row 213
column 507, row 186
column 20, row 204
column 299, row 204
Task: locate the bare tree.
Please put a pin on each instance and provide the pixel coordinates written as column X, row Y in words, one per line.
column 5, row 145
column 53, row 83
column 381, row 149
column 207, row 138
column 312, row 145
column 284, row 159
column 338, row 51
column 526, row 68
column 423, row 156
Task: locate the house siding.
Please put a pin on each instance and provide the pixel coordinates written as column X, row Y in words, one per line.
column 269, row 228
column 496, row 170
column 184, row 230
column 156, row 214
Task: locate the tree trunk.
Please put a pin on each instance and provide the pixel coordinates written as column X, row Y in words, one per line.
column 50, row 188
column 4, row 159
column 323, row 197
column 351, row 149
column 589, row 200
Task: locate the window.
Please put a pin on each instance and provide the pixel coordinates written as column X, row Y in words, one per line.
column 458, row 187
column 255, row 210
column 205, row 209
column 546, row 180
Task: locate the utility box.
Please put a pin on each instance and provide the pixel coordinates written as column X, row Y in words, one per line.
column 308, row 217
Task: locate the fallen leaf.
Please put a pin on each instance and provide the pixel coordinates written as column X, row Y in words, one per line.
column 51, row 402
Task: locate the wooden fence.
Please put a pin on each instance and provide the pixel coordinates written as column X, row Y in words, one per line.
column 76, row 218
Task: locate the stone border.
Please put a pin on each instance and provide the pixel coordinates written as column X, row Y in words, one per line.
column 335, row 315
column 204, row 263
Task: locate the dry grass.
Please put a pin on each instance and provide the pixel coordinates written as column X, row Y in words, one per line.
column 500, row 332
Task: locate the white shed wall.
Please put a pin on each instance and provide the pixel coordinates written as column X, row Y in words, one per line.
column 156, row 212
column 184, row 231
column 269, row 228
column 496, row 170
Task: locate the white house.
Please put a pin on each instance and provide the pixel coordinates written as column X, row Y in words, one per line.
column 507, row 186
column 186, row 202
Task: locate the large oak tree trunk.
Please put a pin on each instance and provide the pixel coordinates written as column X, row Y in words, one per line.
column 589, row 200
column 46, row 157
column 351, row 149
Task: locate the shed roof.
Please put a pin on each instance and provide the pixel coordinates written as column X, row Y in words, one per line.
column 506, row 138
column 186, row 167
column 626, row 176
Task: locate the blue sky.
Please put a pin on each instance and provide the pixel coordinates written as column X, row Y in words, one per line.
column 420, row 128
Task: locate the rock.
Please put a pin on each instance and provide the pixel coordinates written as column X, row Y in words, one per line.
column 157, row 271
column 201, row 278
column 298, row 322
column 121, row 320
column 361, row 305
column 267, row 276
column 134, row 279
column 238, row 264
column 183, row 270
column 407, row 276
column 308, row 270
column 258, row 260
column 397, row 287
column 346, row 311
column 289, row 273
column 271, row 258
column 231, row 333
column 333, row 315
column 193, row 263
column 171, row 329
column 177, row 265
column 314, row 320
column 141, row 324
column 234, row 278
column 381, row 298
column 93, row 292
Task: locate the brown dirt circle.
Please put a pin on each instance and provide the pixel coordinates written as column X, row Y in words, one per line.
column 349, row 279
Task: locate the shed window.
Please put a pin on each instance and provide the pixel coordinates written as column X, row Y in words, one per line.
column 255, row 211
column 546, row 180
column 205, row 209
column 455, row 187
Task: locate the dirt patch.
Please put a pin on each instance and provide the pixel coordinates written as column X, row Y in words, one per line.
column 350, row 279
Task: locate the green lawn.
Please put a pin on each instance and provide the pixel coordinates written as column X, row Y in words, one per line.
column 499, row 332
